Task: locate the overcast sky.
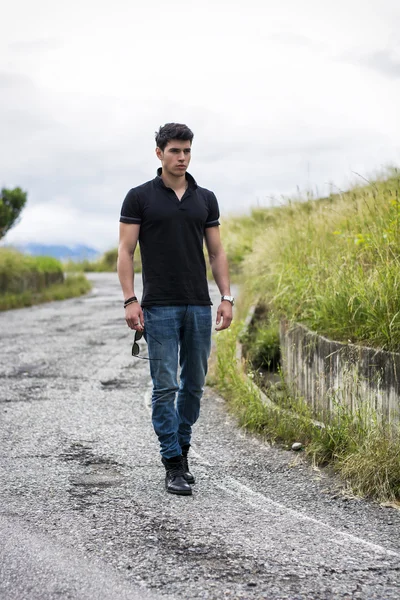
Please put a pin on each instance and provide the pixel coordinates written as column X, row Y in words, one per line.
column 281, row 95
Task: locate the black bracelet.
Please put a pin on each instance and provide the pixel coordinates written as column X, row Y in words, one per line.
column 130, row 300
column 129, row 303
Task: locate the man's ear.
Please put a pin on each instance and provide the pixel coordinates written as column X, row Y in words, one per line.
column 159, row 153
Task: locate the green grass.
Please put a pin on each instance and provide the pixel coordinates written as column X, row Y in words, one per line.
column 332, row 264
column 20, row 273
column 239, row 234
column 362, row 449
column 27, row 280
column 106, row 264
column 261, row 343
column 73, row 285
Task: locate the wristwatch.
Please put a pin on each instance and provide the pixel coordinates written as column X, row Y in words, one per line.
column 230, row 299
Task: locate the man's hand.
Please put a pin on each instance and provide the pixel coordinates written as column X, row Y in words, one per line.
column 224, row 315
column 134, row 316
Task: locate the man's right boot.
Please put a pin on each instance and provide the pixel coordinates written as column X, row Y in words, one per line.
column 175, row 482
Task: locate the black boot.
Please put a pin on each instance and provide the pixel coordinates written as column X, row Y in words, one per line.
column 175, row 482
column 187, row 474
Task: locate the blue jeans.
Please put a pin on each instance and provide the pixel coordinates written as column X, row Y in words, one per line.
column 185, row 335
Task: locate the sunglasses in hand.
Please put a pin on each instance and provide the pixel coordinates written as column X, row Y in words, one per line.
column 136, row 349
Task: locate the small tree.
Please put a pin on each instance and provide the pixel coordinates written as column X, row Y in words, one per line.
column 11, row 204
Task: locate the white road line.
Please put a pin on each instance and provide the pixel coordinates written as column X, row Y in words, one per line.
column 258, row 500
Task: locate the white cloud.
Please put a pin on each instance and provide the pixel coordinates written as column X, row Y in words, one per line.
column 385, row 62
column 61, row 223
column 268, row 88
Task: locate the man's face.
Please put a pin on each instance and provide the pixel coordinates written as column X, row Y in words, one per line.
column 175, row 158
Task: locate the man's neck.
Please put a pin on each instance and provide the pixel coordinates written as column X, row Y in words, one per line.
column 175, row 183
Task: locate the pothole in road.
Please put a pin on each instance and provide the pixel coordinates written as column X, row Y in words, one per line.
column 112, row 384
column 31, row 369
column 95, row 343
column 88, row 488
column 82, row 452
column 77, row 451
column 100, row 475
column 18, row 391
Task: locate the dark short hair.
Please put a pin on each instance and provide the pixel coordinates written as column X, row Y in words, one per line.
column 173, row 131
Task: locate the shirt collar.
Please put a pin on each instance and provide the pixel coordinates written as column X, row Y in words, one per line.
column 191, row 180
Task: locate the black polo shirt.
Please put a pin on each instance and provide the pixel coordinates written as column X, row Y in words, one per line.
column 171, row 240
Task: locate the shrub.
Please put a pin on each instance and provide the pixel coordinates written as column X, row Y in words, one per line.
column 20, row 273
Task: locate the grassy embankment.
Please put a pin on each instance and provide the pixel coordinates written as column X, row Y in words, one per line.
column 332, row 264
column 27, row 280
column 107, row 263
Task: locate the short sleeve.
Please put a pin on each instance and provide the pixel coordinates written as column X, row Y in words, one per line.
column 213, row 211
column 131, row 212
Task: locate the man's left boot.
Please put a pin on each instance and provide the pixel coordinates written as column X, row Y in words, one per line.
column 187, row 474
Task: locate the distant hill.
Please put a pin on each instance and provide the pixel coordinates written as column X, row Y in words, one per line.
column 63, row 253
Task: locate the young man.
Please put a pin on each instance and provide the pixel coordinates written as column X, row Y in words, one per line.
column 170, row 216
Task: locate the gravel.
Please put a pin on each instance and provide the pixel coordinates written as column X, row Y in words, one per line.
column 83, row 510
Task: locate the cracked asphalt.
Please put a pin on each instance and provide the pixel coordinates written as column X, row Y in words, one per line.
column 83, row 510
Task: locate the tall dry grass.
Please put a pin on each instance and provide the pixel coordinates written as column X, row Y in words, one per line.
column 333, row 264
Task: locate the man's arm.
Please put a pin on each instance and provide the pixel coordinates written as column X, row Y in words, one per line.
column 220, row 271
column 128, row 237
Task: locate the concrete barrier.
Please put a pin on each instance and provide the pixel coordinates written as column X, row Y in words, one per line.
column 326, row 372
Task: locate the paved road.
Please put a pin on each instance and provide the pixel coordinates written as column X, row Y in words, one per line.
column 83, row 511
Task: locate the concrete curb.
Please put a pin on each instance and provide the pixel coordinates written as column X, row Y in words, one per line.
column 326, row 371
column 263, row 397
